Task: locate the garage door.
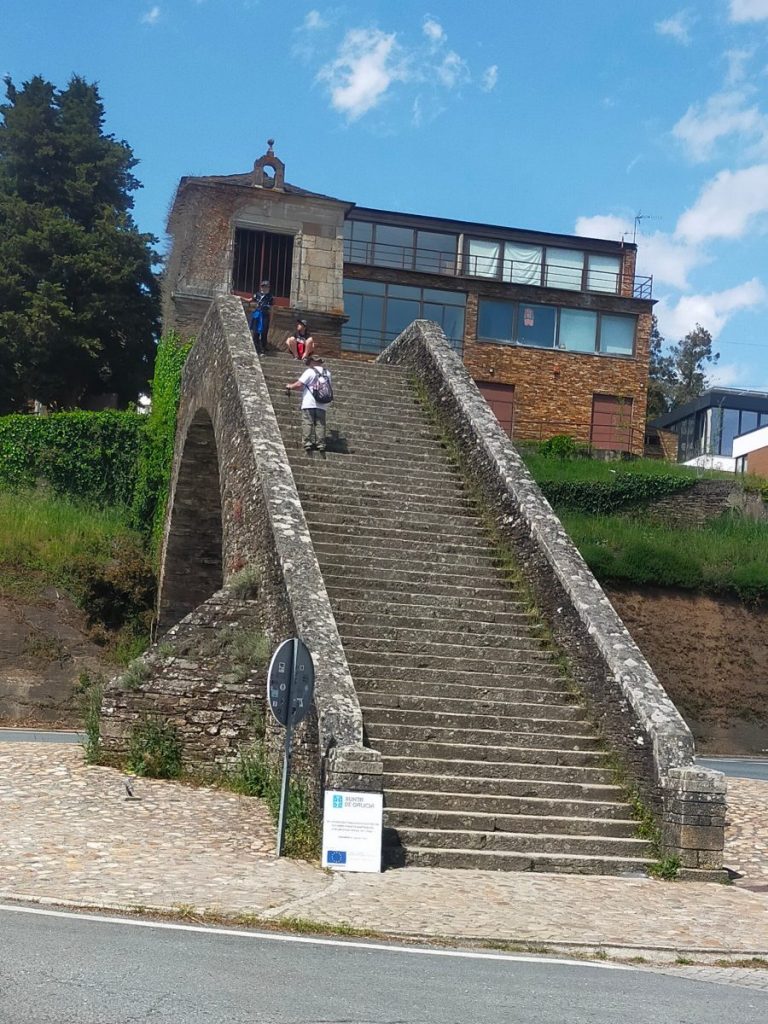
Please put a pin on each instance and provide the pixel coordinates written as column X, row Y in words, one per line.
column 501, row 398
column 611, row 423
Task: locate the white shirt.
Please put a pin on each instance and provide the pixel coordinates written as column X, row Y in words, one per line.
column 308, row 399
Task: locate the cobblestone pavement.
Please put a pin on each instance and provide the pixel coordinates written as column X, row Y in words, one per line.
column 68, row 834
column 747, row 836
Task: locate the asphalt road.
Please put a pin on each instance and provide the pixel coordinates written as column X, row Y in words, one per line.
column 83, row 970
column 40, row 736
column 738, row 767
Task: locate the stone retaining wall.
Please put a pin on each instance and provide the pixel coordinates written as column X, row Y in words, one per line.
column 631, row 707
column 234, row 509
column 704, row 501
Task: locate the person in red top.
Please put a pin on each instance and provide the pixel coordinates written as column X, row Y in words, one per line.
column 301, row 344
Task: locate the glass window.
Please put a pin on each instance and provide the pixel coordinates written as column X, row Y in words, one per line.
column 617, row 335
column 450, row 318
column 358, row 236
column 394, row 247
column 522, row 263
column 564, row 268
column 483, row 257
column 603, row 273
column 446, row 297
column 578, row 330
column 435, row 253
column 748, row 421
column 403, row 291
column 730, row 430
column 764, row 419
column 351, row 285
column 536, row 325
column 400, row 313
column 495, row 320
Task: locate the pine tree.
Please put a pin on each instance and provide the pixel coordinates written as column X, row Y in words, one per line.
column 689, row 358
column 661, row 377
column 79, row 300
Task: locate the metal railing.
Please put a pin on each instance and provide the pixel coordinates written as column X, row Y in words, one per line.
column 496, row 268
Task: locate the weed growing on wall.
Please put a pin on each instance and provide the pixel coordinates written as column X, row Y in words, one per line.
column 155, row 459
column 154, row 749
column 89, row 690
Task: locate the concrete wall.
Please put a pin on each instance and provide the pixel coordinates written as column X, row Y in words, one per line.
column 632, row 709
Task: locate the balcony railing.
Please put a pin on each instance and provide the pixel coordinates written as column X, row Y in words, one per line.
column 496, row 268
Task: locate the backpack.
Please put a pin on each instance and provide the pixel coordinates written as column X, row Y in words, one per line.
column 320, row 388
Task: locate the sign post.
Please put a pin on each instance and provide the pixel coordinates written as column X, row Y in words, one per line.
column 290, row 688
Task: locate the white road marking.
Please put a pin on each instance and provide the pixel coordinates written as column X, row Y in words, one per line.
column 311, row 940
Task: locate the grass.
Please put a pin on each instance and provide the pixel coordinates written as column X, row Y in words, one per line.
column 726, row 556
column 601, row 470
column 51, row 541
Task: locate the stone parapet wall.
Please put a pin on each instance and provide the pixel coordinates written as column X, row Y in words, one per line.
column 629, row 704
column 704, row 501
column 230, row 454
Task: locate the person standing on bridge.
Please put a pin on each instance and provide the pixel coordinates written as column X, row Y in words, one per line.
column 301, row 344
column 262, row 301
column 318, row 393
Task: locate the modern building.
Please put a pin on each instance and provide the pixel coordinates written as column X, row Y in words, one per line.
column 718, row 428
column 554, row 328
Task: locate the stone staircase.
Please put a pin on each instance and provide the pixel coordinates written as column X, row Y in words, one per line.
column 489, row 759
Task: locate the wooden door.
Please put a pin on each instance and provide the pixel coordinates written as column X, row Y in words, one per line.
column 501, row 398
column 611, row 423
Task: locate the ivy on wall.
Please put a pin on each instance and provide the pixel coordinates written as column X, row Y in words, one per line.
column 599, row 497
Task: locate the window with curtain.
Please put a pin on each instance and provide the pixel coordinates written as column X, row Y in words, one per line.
column 483, row 257
column 603, row 273
column 536, row 325
column 522, row 263
column 564, row 268
column 578, row 330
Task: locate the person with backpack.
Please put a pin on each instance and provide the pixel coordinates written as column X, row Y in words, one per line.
column 316, row 384
column 259, row 324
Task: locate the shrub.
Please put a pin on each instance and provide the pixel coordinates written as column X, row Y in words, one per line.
column 155, row 458
column 88, row 456
column 562, row 446
column 154, row 749
column 89, row 690
column 600, row 497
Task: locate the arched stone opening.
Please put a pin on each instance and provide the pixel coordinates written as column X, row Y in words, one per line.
column 192, row 558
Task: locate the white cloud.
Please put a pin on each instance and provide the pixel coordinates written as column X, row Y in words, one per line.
column 490, row 78
column 723, row 115
column 727, row 206
column 366, row 66
column 152, row 16
column 731, row 375
column 313, row 21
column 433, row 30
column 678, row 27
column 737, row 60
column 711, row 311
column 668, row 259
column 452, row 70
column 749, row 10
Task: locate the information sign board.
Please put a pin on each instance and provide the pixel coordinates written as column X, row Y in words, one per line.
column 352, row 831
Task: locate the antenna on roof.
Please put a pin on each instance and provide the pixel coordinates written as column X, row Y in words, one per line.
column 640, row 216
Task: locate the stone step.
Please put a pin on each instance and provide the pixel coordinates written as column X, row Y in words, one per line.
column 518, row 842
column 523, row 807
column 422, row 615
column 486, row 581
column 457, row 531
column 502, row 676
column 433, row 639
column 509, row 752
column 455, row 725
column 369, row 554
column 430, row 604
column 532, row 781
column 536, row 692
column 451, row 656
column 487, row 860
column 382, row 504
column 401, row 478
column 469, row 819
column 351, row 442
column 542, row 735
column 377, row 585
column 441, row 703
column 338, row 486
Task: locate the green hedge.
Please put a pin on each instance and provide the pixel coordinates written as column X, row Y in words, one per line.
column 90, row 456
column 602, row 498
column 156, row 455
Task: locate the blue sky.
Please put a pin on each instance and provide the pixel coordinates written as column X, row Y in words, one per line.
column 545, row 114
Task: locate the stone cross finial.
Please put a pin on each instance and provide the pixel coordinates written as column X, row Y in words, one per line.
column 262, row 180
column 270, row 144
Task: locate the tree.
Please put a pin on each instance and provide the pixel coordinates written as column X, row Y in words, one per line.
column 79, row 302
column 677, row 376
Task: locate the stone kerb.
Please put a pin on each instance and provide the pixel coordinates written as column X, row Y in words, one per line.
column 263, row 527
column 632, row 708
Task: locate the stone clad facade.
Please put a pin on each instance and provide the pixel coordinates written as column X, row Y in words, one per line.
column 361, row 275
